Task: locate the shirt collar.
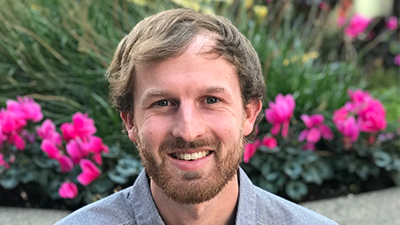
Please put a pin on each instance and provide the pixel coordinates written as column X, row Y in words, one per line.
column 146, row 211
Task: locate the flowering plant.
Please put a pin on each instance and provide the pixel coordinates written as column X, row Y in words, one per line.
column 63, row 163
column 283, row 163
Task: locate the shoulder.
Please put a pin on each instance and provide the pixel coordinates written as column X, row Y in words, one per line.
column 271, row 207
column 113, row 209
column 257, row 206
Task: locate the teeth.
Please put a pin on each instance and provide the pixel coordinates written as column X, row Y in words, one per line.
column 194, row 156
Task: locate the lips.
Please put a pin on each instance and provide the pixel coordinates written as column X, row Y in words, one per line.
column 190, row 156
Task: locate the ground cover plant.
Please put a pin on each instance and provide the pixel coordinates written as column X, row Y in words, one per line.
column 330, row 118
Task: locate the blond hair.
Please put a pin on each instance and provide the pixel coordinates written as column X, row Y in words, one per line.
column 167, row 34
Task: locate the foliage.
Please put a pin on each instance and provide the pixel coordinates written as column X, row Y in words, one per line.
column 57, row 52
column 289, row 164
column 64, row 166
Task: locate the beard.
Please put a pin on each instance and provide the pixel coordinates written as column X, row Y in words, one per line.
column 187, row 187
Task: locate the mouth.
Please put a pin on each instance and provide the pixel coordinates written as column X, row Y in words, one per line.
column 191, row 156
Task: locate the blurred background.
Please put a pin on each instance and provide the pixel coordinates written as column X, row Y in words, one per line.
column 57, row 53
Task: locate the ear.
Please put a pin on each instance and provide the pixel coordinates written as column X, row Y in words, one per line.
column 251, row 111
column 128, row 120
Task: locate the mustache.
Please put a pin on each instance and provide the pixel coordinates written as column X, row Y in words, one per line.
column 178, row 143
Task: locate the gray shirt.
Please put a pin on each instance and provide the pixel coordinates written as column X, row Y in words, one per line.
column 135, row 205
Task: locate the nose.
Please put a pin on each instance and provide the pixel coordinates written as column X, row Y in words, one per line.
column 189, row 123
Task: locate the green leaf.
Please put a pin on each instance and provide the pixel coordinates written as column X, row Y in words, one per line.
column 102, row 185
column 28, row 175
column 117, row 177
column 9, row 179
column 292, row 169
column 267, row 185
column 45, row 163
column 128, row 167
column 265, row 169
column 296, row 189
column 382, row 159
column 311, row 175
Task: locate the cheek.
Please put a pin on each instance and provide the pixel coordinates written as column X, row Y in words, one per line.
column 153, row 131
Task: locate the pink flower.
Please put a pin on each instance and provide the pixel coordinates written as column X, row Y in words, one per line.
column 68, row 190
column 48, row 131
column 90, row 172
column 250, row 150
column 65, row 163
column 17, row 141
column 396, row 60
column 280, row 113
column 27, row 107
column 316, row 129
column 372, row 118
column 4, row 162
column 97, row 159
column 50, row 148
column 3, row 137
column 391, row 23
column 11, row 121
column 82, row 127
column 349, row 128
column 340, row 115
column 358, row 24
column 95, row 145
column 269, row 142
column 75, row 150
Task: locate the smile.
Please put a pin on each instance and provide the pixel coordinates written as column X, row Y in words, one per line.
column 190, row 156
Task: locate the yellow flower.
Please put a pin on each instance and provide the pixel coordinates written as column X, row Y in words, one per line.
column 229, row 2
column 207, row 10
column 35, row 7
column 248, row 3
column 261, row 11
column 309, row 55
column 294, row 58
column 285, row 62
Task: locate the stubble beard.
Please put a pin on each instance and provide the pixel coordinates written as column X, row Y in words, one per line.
column 191, row 187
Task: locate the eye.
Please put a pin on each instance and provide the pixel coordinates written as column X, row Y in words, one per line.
column 212, row 100
column 162, row 103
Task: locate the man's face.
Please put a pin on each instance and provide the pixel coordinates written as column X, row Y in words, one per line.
column 189, row 122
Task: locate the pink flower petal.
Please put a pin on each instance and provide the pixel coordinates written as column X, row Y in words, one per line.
column 326, row 132
column 358, row 24
column 50, row 148
column 90, row 172
column 302, row 135
column 74, row 150
column 18, row 142
column 392, row 22
column 313, row 135
column 269, row 142
column 68, row 190
column 66, row 164
column 249, row 151
column 285, row 128
column 306, row 120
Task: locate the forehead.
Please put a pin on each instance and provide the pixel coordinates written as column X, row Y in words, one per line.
column 197, row 67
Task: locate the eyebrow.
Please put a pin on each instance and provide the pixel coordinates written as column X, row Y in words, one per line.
column 216, row 89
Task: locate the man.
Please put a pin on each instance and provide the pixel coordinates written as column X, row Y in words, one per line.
column 189, row 88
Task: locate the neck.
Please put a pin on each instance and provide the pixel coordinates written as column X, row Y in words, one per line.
column 219, row 210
